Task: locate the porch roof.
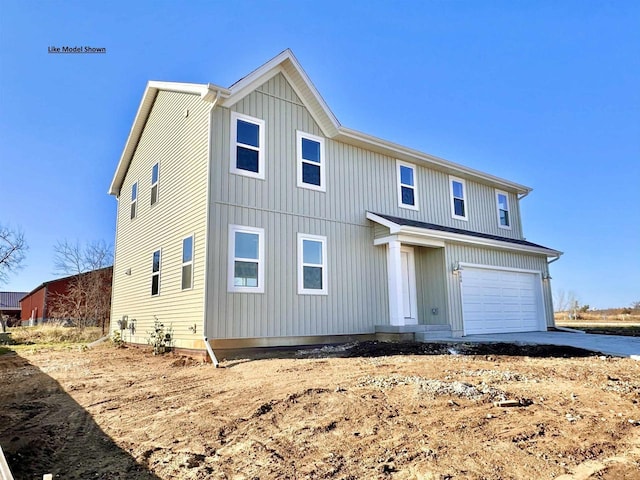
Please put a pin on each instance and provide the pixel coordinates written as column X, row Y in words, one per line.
column 399, row 225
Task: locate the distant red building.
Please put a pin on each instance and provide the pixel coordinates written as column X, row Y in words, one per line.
column 35, row 305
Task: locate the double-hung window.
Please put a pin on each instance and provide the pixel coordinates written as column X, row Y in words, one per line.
column 247, row 145
column 187, row 263
column 311, row 165
column 246, row 259
column 458, row 198
column 134, row 200
column 406, row 177
column 155, row 176
column 312, row 264
column 502, row 204
column 155, row 273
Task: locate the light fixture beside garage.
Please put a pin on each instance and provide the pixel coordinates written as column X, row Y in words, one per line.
column 546, row 276
column 456, row 269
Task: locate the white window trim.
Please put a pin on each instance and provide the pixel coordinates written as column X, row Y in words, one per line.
column 301, row 265
column 183, row 263
column 136, row 200
column 505, row 227
column 299, row 136
column 464, row 198
column 156, row 184
column 158, row 273
column 399, row 164
column 231, row 287
column 235, row 116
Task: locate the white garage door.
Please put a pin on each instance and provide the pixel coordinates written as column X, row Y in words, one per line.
column 501, row 301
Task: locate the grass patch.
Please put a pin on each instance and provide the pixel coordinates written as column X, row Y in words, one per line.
column 625, row 330
column 50, row 335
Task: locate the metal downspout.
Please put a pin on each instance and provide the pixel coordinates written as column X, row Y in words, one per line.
column 207, row 345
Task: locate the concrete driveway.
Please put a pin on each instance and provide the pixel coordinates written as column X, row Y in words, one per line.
column 614, row 345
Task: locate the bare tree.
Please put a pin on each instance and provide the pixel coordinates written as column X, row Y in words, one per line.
column 12, row 251
column 87, row 299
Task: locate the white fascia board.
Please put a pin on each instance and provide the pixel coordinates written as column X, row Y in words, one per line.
column 398, row 151
column 207, row 92
column 287, row 64
column 393, row 227
column 469, row 239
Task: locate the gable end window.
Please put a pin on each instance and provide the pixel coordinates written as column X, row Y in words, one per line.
column 134, row 200
column 155, row 176
column 246, row 259
column 458, row 198
column 311, row 166
column 187, row 263
column 406, row 179
column 155, row 273
column 247, row 145
column 502, row 204
column 312, row 264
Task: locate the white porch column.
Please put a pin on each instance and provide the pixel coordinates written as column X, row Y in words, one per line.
column 394, row 272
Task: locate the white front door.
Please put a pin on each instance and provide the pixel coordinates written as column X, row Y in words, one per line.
column 409, row 302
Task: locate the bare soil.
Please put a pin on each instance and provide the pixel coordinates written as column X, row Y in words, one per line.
column 398, row 411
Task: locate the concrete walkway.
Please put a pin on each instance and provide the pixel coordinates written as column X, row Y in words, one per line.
column 614, row 345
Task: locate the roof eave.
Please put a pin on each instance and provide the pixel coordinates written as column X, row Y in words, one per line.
column 404, row 153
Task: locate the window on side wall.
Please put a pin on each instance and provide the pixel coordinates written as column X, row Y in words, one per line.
column 134, row 200
column 155, row 176
column 407, row 192
column 187, row 263
column 155, row 273
column 312, row 264
column 458, row 198
column 246, row 259
column 311, row 163
column 247, row 145
column 502, row 204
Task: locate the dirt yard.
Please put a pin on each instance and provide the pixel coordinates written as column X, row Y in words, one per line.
column 112, row 413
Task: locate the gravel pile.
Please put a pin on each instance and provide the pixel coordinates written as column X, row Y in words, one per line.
column 436, row 387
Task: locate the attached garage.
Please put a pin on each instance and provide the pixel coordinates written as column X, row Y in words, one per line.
column 496, row 300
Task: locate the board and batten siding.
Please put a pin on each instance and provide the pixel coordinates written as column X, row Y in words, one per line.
column 179, row 144
column 455, row 253
column 431, row 286
column 356, row 276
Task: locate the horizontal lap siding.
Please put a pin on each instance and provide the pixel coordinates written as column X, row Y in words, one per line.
column 179, row 144
column 455, row 253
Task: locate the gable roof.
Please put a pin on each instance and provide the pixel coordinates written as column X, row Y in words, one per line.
column 11, row 300
column 396, row 225
column 287, row 64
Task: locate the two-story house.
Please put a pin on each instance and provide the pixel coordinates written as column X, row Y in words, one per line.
column 248, row 216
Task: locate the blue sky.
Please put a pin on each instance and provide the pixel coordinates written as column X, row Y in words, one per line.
column 544, row 93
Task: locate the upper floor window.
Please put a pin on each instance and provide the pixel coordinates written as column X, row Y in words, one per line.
column 502, row 203
column 187, row 263
column 310, row 153
column 458, row 198
column 312, row 264
column 247, row 145
column 406, row 177
column 155, row 273
column 246, row 259
column 155, row 175
column 134, row 200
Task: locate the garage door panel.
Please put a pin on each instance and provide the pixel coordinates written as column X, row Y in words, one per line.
column 495, row 301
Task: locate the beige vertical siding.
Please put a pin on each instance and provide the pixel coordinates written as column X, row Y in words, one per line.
column 179, row 144
column 357, row 181
column 484, row 256
column 431, row 286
